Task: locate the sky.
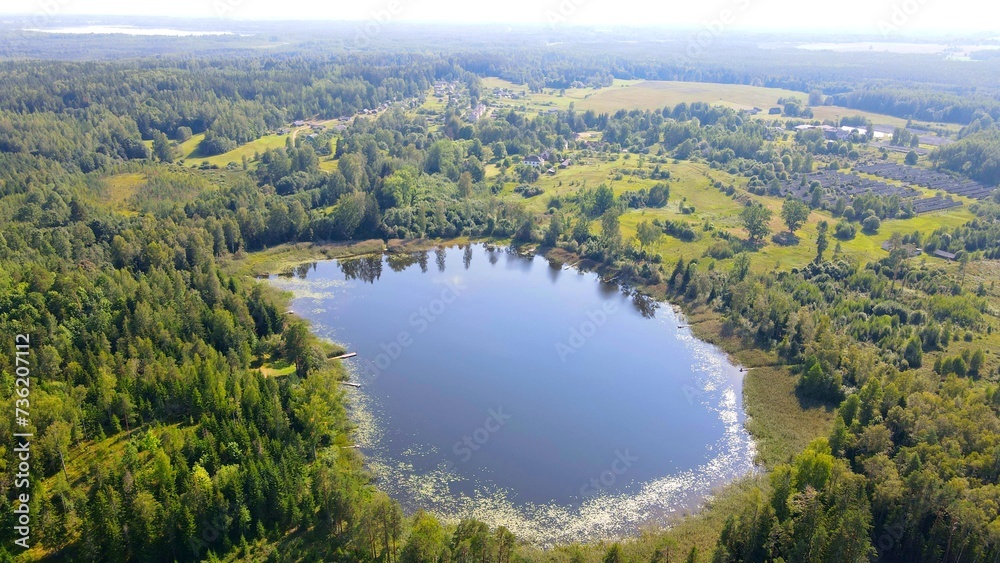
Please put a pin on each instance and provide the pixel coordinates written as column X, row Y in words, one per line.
column 884, row 17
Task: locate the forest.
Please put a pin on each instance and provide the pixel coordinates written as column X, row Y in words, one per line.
column 159, row 438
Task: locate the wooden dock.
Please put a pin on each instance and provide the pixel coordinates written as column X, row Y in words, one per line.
column 352, row 384
column 345, row 356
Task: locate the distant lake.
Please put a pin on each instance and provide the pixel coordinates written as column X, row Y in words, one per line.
column 125, row 30
column 525, row 393
column 902, row 47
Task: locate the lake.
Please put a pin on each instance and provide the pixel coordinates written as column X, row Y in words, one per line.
column 126, row 30
column 526, row 393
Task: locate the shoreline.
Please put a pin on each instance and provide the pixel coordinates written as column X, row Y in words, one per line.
column 760, row 371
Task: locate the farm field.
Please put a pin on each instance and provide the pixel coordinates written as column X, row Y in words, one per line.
column 652, row 94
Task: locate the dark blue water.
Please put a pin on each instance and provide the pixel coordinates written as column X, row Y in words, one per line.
column 525, row 393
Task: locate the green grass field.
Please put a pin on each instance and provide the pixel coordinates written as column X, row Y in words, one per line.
column 279, row 368
column 328, row 164
column 190, row 147
column 120, row 188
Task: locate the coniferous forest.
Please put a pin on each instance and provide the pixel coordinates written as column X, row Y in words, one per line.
column 146, row 182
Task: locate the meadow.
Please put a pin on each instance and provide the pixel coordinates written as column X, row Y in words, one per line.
column 691, row 184
column 190, row 156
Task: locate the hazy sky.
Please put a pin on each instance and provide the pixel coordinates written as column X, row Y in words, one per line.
column 885, row 17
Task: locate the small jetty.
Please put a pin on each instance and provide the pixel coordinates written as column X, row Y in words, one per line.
column 352, row 384
column 683, row 326
column 345, row 356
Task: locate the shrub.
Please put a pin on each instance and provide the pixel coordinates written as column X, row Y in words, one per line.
column 871, row 224
column 845, row 230
column 720, row 250
column 528, row 191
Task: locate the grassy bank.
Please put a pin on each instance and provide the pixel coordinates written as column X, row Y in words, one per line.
column 780, row 423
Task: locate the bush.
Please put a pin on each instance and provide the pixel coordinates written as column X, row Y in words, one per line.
column 871, row 224
column 658, row 195
column 680, row 230
column 528, row 191
column 845, row 230
column 914, row 354
column 817, row 384
column 720, row 250
column 214, row 144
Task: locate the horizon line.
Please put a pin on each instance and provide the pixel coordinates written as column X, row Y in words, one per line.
column 784, row 30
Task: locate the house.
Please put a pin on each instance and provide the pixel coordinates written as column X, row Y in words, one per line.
column 944, row 254
column 565, row 164
column 533, row 160
column 831, row 133
column 298, row 123
column 883, row 131
column 477, row 113
column 862, row 131
column 551, row 171
column 774, row 111
column 911, row 250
